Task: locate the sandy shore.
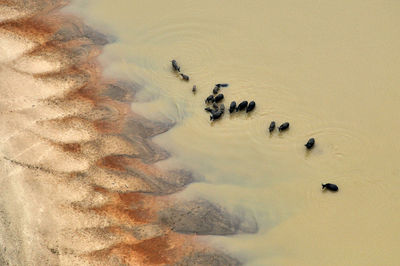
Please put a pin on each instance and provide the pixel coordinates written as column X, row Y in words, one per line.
column 78, row 184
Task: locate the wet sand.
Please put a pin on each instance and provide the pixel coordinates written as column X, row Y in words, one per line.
column 79, row 180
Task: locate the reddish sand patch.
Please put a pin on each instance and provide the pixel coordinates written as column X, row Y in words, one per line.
column 80, row 221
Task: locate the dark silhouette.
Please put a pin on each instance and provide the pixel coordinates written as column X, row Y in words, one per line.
column 208, row 109
column 251, row 106
column 216, row 90
column 216, row 115
column 185, row 77
column 232, row 107
column 222, row 85
column 194, row 89
column 242, row 106
column 210, row 99
column 310, row 143
column 175, row 66
column 271, row 126
column 222, row 108
column 329, row 186
column 218, row 98
column 284, row 126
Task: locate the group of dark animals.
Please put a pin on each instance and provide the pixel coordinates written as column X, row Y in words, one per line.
column 218, row 110
column 178, row 68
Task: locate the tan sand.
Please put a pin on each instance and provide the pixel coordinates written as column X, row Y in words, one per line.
column 78, row 184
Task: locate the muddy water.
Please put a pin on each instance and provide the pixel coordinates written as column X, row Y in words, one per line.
column 330, row 68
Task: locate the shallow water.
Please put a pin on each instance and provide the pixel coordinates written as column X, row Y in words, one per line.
column 330, row 68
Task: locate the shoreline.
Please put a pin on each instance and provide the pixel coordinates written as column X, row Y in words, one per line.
column 79, row 185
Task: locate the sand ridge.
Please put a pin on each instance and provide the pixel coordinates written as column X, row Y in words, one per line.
column 78, row 180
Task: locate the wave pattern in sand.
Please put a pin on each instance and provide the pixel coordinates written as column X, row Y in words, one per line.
column 78, row 181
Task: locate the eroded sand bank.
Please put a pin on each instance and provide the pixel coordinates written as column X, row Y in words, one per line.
column 78, row 181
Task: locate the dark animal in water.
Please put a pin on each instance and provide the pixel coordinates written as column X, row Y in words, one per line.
column 222, row 108
column 284, row 126
column 271, row 126
column 216, row 108
column 232, row 107
column 218, row 86
column 251, row 106
column 208, row 109
column 242, row 106
column 185, row 77
column 222, row 85
column 194, row 89
column 216, row 115
column 216, row 90
column 310, row 143
column 175, row 66
column 218, row 98
column 329, row 186
column 210, row 99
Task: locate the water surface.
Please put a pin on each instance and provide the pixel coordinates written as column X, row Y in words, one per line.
column 330, row 68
